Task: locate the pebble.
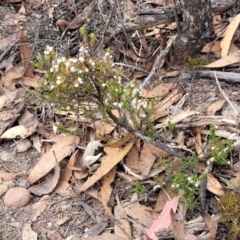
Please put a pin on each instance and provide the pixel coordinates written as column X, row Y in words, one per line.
column 17, row 197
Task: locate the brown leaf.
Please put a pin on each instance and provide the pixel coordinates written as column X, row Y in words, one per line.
column 18, row 132
column 223, row 62
column 10, row 77
column 6, row 176
column 38, row 208
column 211, row 224
column 228, row 35
column 62, row 149
column 27, row 119
column 159, row 91
column 26, row 52
column 213, row 185
column 64, row 189
column 141, row 214
column 214, row 107
column 48, row 185
column 107, row 164
column 122, row 228
column 106, row 189
column 66, row 174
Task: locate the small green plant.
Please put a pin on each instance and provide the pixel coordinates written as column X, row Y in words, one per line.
column 219, row 148
column 229, row 206
column 171, row 126
column 139, row 188
column 197, row 62
column 186, row 181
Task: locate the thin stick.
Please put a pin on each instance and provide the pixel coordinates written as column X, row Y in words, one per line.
column 224, row 95
column 158, row 60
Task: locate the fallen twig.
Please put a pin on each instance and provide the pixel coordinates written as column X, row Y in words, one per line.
column 224, row 76
column 158, row 60
column 224, row 95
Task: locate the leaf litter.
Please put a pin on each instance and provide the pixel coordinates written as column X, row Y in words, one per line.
column 74, row 166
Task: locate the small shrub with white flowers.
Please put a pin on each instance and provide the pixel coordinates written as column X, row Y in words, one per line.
column 88, row 85
column 186, row 180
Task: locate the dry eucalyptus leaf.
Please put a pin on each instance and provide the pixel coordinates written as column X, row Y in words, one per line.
column 18, row 132
column 64, row 189
column 38, row 208
column 48, row 185
column 213, row 185
column 107, row 164
column 159, row 91
column 88, row 158
column 47, row 162
column 6, row 176
column 214, row 107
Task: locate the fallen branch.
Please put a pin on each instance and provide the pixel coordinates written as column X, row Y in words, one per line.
column 225, row 76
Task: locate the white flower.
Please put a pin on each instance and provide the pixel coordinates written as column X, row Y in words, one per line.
column 74, row 60
column 63, row 59
column 55, row 128
column 86, row 70
column 115, row 104
column 51, row 69
column 73, row 69
column 93, row 63
column 103, row 84
column 55, row 67
column 67, row 64
column 51, row 87
column 49, row 48
column 59, row 60
column 76, row 85
column 81, row 59
column 58, row 81
column 79, row 71
column 68, row 108
column 120, row 105
column 189, row 179
column 80, row 80
column 119, row 79
column 113, row 64
column 173, row 186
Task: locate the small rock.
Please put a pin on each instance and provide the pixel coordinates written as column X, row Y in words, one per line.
column 24, row 145
column 17, row 197
column 24, row 183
